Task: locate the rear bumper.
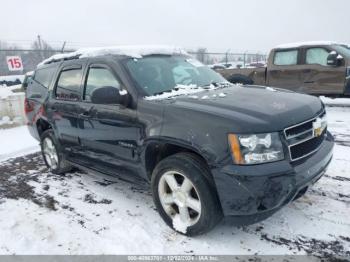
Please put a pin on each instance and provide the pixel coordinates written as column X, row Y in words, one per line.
column 258, row 190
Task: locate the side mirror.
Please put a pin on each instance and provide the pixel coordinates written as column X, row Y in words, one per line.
column 334, row 59
column 108, row 95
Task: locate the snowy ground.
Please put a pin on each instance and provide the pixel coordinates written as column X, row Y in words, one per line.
column 83, row 213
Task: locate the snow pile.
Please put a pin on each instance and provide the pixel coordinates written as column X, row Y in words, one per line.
column 11, row 80
column 181, row 90
column 270, row 89
column 132, row 51
column 16, row 141
column 5, row 93
column 342, row 102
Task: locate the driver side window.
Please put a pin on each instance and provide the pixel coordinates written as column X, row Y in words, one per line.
column 99, row 77
column 316, row 56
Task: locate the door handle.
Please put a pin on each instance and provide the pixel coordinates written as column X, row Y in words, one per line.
column 36, row 96
column 85, row 114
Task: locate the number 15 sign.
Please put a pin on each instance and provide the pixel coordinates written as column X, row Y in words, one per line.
column 14, row 63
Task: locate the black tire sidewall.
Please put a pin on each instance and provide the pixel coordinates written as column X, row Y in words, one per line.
column 210, row 208
column 50, row 134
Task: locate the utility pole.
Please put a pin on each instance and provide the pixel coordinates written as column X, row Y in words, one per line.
column 40, row 47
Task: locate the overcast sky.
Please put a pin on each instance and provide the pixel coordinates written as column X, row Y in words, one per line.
column 241, row 25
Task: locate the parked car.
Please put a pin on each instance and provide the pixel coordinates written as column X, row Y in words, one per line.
column 207, row 147
column 318, row 68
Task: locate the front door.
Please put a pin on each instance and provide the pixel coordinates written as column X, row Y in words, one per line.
column 109, row 132
column 284, row 71
column 320, row 78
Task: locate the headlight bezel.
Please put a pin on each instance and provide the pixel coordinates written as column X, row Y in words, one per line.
column 268, row 148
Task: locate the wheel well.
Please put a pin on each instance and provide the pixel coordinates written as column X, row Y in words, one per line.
column 241, row 79
column 42, row 125
column 156, row 152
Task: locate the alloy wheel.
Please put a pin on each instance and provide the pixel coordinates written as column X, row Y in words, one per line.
column 179, row 197
column 50, row 153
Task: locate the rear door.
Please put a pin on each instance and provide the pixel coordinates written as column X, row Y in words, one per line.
column 109, row 133
column 318, row 77
column 63, row 107
column 284, row 70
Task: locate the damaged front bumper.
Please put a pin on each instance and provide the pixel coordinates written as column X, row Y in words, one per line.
column 258, row 190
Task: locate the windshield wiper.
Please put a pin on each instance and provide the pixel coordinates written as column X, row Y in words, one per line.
column 218, row 84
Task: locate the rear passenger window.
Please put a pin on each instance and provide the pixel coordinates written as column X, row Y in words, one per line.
column 317, row 56
column 286, row 57
column 44, row 76
column 97, row 78
column 68, row 85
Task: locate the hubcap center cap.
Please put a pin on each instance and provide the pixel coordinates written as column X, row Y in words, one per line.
column 180, row 197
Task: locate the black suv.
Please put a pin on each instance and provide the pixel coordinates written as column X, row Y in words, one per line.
column 208, row 148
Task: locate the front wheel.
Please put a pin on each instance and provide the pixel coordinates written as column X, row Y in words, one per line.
column 184, row 196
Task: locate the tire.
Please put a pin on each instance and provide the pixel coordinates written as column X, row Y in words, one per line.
column 200, row 201
column 58, row 164
column 238, row 79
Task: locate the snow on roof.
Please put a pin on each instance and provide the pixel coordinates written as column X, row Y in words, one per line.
column 299, row 44
column 132, row 51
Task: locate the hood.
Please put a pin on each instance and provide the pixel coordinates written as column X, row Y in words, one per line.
column 253, row 108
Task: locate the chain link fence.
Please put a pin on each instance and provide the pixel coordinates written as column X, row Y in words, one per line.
column 231, row 59
column 30, row 59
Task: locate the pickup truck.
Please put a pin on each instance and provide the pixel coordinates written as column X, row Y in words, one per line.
column 317, row 68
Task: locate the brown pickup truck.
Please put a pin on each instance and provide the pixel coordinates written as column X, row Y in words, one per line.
column 318, row 68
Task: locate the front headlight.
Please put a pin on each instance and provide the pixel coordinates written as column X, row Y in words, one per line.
column 255, row 149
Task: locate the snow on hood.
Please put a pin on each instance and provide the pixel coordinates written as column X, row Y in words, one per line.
column 132, row 51
column 180, row 90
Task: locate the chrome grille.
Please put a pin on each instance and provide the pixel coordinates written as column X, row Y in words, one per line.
column 302, row 140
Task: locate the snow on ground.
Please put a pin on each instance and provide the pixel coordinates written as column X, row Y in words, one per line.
column 85, row 213
column 338, row 102
column 15, row 142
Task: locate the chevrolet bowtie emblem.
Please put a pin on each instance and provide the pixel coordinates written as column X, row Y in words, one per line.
column 318, row 126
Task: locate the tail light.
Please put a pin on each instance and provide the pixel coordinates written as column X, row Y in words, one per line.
column 28, row 106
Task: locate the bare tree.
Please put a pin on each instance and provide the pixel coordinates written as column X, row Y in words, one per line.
column 201, row 55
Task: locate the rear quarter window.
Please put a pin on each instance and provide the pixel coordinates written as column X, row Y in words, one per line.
column 44, row 76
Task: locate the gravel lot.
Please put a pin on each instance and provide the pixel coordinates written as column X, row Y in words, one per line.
column 85, row 213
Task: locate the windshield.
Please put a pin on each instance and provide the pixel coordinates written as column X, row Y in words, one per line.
column 157, row 74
